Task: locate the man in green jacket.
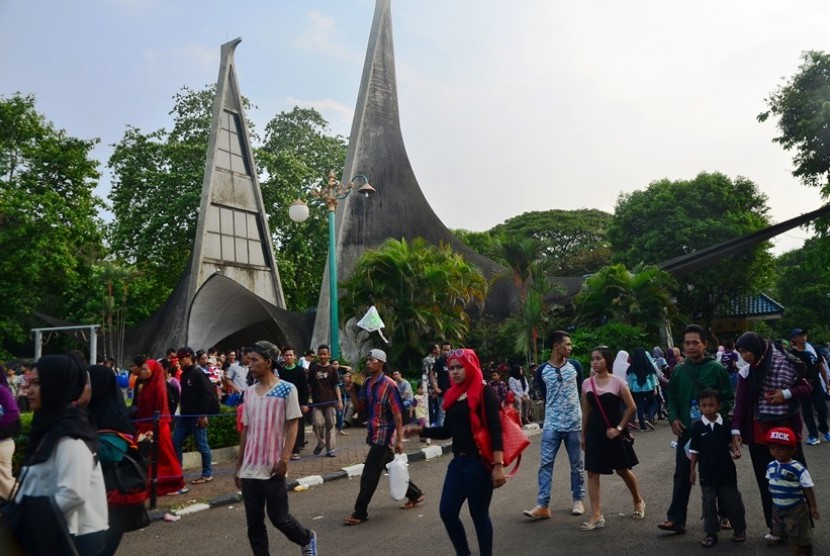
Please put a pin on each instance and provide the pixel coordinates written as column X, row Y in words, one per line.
column 697, row 371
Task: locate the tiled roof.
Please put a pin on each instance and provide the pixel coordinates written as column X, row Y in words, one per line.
column 751, row 306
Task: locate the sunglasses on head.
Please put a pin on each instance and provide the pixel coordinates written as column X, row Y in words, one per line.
column 455, row 353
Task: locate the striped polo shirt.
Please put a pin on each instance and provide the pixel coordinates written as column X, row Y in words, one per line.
column 787, row 481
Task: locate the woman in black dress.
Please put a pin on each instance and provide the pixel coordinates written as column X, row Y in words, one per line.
column 603, row 434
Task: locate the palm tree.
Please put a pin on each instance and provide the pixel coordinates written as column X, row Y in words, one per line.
column 421, row 291
column 641, row 299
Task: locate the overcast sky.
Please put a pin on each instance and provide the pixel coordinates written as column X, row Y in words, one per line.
column 506, row 106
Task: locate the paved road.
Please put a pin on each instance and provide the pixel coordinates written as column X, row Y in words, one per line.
column 392, row 530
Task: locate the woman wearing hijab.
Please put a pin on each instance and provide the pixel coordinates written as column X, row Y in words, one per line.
column 767, row 396
column 154, row 398
column 621, row 364
column 116, row 436
column 642, row 380
column 521, row 392
column 469, row 476
column 9, row 428
column 61, row 458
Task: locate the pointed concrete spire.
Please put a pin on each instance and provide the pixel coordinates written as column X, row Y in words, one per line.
column 376, row 150
column 232, row 236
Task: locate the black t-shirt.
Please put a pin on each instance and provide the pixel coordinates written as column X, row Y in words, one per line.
column 442, row 373
column 457, row 425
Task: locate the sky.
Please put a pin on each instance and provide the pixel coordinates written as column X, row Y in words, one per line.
column 506, row 106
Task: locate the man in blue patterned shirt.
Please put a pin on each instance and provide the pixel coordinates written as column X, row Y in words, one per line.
column 559, row 379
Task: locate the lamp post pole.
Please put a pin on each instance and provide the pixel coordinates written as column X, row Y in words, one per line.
column 332, row 192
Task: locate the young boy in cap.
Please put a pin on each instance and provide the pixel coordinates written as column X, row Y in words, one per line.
column 791, row 487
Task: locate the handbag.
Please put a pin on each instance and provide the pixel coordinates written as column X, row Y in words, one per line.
column 126, row 484
column 625, row 434
column 513, row 439
column 35, row 525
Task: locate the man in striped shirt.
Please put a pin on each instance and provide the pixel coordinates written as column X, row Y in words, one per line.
column 384, row 407
column 270, row 416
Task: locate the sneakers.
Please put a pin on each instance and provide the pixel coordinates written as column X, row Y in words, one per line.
column 331, row 454
column 539, row 512
column 827, row 436
column 813, row 440
column 310, row 549
column 318, row 450
column 578, row 508
column 295, row 457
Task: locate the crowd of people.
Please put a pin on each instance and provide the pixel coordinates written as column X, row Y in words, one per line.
column 754, row 394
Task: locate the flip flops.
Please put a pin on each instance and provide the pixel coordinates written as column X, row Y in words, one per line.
column 201, row 480
column 352, row 521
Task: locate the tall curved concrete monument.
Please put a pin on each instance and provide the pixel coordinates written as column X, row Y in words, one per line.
column 230, row 293
column 399, row 209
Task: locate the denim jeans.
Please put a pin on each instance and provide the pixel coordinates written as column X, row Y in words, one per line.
column 271, row 496
column 468, row 479
column 186, row 426
column 551, row 440
column 439, row 412
column 644, row 402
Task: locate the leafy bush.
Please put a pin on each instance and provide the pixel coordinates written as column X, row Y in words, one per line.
column 221, row 431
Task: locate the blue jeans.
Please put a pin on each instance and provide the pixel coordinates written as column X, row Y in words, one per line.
column 439, row 412
column 186, row 426
column 468, row 479
column 551, row 440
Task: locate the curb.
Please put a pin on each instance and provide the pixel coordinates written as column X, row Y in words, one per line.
column 422, row 454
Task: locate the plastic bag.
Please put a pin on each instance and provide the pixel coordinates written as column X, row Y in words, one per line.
column 398, row 476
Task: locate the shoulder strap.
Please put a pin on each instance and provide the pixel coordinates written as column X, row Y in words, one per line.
column 599, row 403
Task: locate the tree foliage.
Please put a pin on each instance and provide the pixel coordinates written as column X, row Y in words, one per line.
column 642, row 299
column 802, row 106
column 49, row 228
column 571, row 242
column 673, row 218
column 298, row 152
column 421, row 291
column 156, row 191
column 803, row 282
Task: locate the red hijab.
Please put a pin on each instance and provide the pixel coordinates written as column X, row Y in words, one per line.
column 473, row 385
column 154, row 396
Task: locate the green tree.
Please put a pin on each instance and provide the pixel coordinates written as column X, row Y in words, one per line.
column 421, row 291
column 156, row 191
column 673, row 218
column 642, row 299
column 802, row 106
column 571, row 242
column 298, row 152
column 49, row 229
column 803, row 282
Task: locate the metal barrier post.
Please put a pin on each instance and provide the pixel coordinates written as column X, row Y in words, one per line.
column 154, row 459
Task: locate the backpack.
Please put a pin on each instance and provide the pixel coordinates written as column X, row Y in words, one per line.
column 172, row 398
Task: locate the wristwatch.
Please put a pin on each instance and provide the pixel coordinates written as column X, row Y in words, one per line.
column 619, row 428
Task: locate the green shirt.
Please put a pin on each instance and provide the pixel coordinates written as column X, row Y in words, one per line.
column 688, row 378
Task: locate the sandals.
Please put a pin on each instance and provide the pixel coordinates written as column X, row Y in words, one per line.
column 639, row 511
column 412, row 503
column 709, row 541
column 672, row 527
column 739, row 537
column 725, row 524
column 201, row 481
column 351, row 521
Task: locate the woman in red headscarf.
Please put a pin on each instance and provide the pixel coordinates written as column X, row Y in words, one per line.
column 154, row 398
column 470, row 406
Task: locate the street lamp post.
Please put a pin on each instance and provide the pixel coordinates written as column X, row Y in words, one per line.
column 331, row 192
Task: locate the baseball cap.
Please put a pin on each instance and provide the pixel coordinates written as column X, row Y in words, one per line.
column 782, row 436
column 797, row 332
column 186, row 351
column 378, row 354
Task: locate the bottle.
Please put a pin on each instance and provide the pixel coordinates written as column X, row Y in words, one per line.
column 694, row 411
